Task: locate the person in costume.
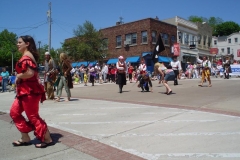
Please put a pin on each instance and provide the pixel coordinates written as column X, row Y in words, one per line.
column 130, row 72
column 28, row 94
column 49, row 76
column 176, row 66
column 227, row 68
column 144, row 82
column 206, row 65
column 121, row 73
column 64, row 77
column 142, row 67
column 167, row 74
column 92, row 72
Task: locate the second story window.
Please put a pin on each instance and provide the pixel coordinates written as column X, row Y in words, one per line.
column 204, row 40
column 236, row 40
column 118, row 41
column 132, row 38
column 105, row 44
column 222, row 50
column 229, row 40
column 199, row 39
column 165, row 38
column 173, row 39
column 144, row 37
column 154, row 36
column 228, row 50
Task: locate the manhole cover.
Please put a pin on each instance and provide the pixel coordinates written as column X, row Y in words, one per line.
column 2, row 113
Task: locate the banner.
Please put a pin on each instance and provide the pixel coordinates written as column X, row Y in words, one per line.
column 235, row 70
column 176, row 49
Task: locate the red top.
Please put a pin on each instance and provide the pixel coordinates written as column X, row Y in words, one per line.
column 30, row 85
column 130, row 69
column 113, row 70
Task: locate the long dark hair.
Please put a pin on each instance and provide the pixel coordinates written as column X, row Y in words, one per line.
column 32, row 46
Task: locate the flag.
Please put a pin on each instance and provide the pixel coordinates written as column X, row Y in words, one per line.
column 159, row 47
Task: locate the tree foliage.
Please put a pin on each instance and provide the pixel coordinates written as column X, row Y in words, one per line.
column 227, row 28
column 86, row 45
column 8, row 41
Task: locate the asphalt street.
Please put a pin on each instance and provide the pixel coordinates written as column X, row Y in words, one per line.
column 100, row 123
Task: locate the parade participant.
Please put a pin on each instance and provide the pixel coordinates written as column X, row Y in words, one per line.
column 49, row 76
column 105, row 72
column 85, row 74
column 206, row 65
column 167, row 74
column 142, row 67
column 5, row 77
column 92, row 73
column 130, row 71
column 29, row 93
column 144, row 82
column 97, row 71
column 121, row 73
column 176, row 66
column 64, row 77
column 227, row 68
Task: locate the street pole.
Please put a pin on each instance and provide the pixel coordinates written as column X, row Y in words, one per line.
column 49, row 23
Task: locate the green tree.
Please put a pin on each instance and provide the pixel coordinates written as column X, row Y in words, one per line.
column 86, row 45
column 8, row 41
column 227, row 28
column 195, row 19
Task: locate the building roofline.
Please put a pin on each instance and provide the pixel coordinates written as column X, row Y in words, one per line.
column 151, row 19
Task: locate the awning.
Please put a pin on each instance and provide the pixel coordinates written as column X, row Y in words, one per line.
column 146, row 53
column 112, row 61
column 164, row 59
column 80, row 63
column 74, row 64
column 134, row 59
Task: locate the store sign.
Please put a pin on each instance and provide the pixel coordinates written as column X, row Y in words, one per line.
column 176, row 49
column 238, row 53
column 214, row 50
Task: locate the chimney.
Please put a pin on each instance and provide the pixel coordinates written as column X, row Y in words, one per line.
column 157, row 18
column 118, row 23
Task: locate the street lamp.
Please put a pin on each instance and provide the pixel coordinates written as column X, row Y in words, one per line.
column 39, row 43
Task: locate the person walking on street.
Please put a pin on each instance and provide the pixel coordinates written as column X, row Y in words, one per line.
column 121, row 73
column 105, row 72
column 5, row 77
column 64, row 77
column 29, row 93
column 49, row 76
column 176, row 66
column 206, row 65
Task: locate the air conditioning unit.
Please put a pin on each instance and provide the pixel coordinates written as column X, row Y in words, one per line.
column 127, row 43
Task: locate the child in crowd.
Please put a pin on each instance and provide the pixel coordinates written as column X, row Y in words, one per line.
column 76, row 78
column 12, row 79
column 85, row 78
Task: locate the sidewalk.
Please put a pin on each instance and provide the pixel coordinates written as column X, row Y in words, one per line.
column 133, row 125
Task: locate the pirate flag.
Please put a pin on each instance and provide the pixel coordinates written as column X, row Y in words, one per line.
column 159, row 47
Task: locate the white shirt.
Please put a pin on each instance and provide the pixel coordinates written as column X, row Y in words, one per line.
column 142, row 67
column 204, row 63
column 105, row 69
column 122, row 68
column 176, row 65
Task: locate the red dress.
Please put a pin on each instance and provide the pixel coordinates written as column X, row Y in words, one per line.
column 29, row 93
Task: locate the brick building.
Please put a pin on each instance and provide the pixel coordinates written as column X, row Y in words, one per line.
column 138, row 38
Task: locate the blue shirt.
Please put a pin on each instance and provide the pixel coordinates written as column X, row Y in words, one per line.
column 5, row 75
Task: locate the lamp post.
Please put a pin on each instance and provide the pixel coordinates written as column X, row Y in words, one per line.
column 12, row 61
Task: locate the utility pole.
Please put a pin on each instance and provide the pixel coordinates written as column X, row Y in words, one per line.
column 49, row 12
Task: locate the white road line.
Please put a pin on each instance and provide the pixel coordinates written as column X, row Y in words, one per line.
column 116, row 122
column 201, row 121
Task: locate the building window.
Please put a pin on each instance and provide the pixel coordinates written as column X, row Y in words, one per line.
column 154, row 36
column 186, row 39
column 173, row 39
column 204, row 40
column 192, row 39
column 236, row 40
column 215, row 42
column 144, row 37
column 118, row 41
column 209, row 41
column 228, row 50
column 199, row 39
column 229, row 40
column 222, row 50
column 165, row 38
column 132, row 38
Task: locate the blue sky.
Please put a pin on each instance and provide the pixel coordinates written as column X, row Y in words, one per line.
column 29, row 17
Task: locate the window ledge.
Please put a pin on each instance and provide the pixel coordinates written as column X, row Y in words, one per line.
column 144, row 43
column 118, row 47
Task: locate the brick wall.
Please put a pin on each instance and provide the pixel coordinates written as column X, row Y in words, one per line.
column 137, row 27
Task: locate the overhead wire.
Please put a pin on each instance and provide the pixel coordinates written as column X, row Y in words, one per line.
column 34, row 27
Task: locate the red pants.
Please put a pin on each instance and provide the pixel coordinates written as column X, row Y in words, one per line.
column 30, row 105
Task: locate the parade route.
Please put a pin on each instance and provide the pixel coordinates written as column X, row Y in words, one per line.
column 99, row 123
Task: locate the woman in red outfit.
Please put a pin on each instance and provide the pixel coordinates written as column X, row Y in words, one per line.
column 29, row 93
